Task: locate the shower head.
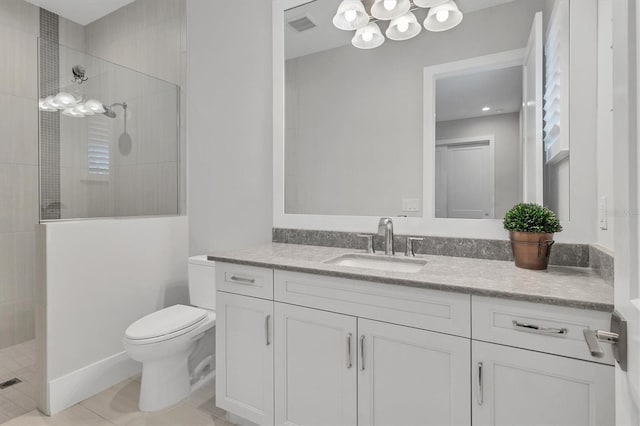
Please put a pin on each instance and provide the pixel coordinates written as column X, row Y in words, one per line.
column 108, row 111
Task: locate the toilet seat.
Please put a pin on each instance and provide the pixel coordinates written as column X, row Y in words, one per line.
column 165, row 324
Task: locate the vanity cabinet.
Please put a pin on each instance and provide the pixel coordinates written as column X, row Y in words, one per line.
column 244, row 356
column 315, row 367
column 515, row 386
column 304, row 349
column 409, row 376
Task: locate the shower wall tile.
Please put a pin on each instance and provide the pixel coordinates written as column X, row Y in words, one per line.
column 19, row 30
column 144, row 35
column 99, row 197
column 49, row 84
column 73, row 198
column 168, row 199
column 18, row 198
column 16, row 287
column 25, row 252
column 7, row 268
column 148, row 36
column 18, row 73
column 71, row 34
column 20, row 15
column 24, row 321
column 7, row 325
column 19, row 130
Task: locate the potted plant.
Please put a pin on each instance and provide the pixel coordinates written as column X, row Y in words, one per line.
column 531, row 228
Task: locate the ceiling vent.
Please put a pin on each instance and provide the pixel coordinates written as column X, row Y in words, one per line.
column 301, row 24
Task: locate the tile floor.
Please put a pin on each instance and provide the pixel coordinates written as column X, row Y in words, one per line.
column 118, row 405
column 18, row 361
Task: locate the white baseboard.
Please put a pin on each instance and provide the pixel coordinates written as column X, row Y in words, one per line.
column 81, row 384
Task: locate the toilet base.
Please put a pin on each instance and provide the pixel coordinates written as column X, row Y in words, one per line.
column 165, row 382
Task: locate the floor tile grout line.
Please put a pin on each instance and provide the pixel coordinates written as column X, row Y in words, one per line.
column 94, row 412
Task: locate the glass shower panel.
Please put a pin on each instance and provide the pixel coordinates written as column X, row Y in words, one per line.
column 118, row 146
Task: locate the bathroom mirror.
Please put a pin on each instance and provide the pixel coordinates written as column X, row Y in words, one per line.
column 403, row 130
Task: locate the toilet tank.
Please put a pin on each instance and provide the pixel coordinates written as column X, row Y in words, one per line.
column 202, row 282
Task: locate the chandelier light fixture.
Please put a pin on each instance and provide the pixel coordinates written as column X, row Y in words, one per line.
column 353, row 15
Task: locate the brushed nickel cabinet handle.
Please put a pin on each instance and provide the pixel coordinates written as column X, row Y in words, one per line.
column 533, row 328
column 242, row 280
column 349, row 350
column 479, row 386
column 266, row 329
column 362, row 353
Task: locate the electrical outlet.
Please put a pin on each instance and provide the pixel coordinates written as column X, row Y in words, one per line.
column 602, row 212
column 410, row 205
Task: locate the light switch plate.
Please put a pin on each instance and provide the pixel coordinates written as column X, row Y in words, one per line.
column 410, row 205
column 602, row 212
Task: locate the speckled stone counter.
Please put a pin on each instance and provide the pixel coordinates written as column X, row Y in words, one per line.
column 559, row 285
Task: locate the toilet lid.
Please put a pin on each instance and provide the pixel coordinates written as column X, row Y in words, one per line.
column 165, row 321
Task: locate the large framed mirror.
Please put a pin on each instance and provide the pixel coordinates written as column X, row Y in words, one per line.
column 443, row 131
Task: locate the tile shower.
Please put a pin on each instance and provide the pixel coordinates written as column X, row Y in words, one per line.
column 39, row 50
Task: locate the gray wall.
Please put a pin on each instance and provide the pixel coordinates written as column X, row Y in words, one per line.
column 230, row 124
column 359, row 111
column 506, row 129
column 19, row 29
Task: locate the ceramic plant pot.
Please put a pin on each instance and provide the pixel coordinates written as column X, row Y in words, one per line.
column 531, row 250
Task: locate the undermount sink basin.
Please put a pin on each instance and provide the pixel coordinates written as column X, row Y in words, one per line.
column 378, row 262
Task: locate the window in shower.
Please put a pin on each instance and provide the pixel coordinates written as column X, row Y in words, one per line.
column 109, row 139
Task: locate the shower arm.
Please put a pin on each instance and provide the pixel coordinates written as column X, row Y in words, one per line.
column 122, row 104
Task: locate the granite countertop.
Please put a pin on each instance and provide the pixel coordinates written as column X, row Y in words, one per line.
column 559, row 285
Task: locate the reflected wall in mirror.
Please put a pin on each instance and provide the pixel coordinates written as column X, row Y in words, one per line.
column 478, row 140
column 357, row 139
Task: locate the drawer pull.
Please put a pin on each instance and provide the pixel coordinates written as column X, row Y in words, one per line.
column 532, row 328
column 242, row 280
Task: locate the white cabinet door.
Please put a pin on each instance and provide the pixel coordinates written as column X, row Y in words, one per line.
column 520, row 387
column 244, row 357
column 315, row 379
column 409, row 376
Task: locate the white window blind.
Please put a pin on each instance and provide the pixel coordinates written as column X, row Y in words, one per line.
column 98, row 147
column 556, row 95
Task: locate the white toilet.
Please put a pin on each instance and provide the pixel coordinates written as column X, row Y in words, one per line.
column 164, row 342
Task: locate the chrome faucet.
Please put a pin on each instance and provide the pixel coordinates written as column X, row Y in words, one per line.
column 385, row 227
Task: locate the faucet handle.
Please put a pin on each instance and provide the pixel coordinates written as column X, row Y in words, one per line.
column 369, row 238
column 408, row 251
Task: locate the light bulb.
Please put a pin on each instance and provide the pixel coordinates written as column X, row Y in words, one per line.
column 65, row 100
column 72, row 112
column 403, row 25
column 367, row 36
column 442, row 15
column 94, row 106
column 84, row 109
column 350, row 15
column 390, row 4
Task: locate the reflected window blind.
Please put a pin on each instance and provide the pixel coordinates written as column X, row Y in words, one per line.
column 556, row 96
column 98, row 149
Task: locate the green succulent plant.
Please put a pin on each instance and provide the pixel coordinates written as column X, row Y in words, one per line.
column 531, row 217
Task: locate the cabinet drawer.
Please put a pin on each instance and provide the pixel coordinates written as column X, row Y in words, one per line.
column 545, row 328
column 415, row 307
column 245, row 280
